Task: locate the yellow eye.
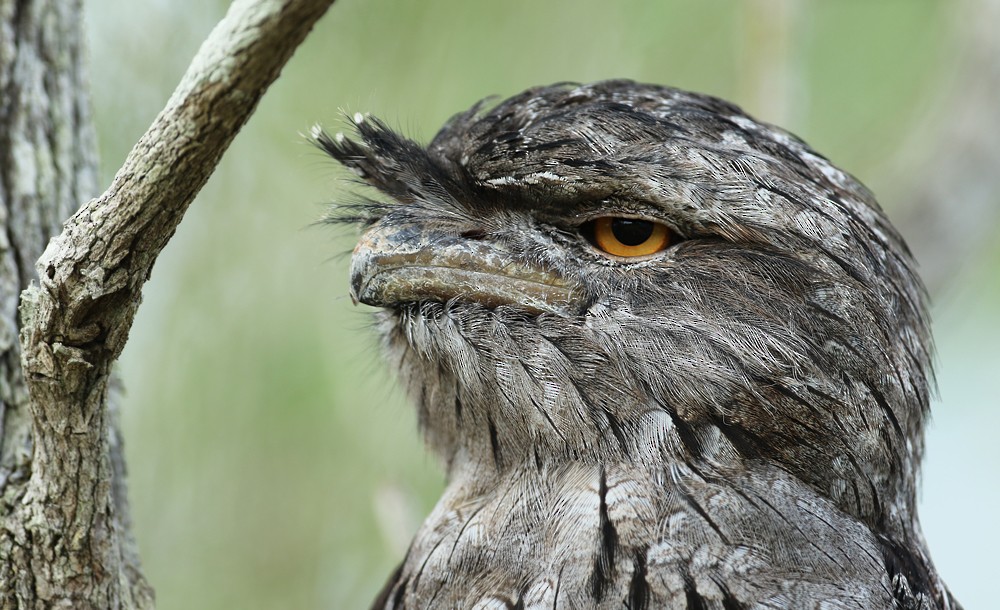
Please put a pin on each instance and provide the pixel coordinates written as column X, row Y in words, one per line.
column 629, row 237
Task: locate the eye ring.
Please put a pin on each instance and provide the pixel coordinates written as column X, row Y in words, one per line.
column 628, row 237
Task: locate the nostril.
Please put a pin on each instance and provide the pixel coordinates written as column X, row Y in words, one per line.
column 473, row 234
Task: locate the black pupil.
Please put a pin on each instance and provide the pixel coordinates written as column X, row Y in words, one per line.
column 631, row 231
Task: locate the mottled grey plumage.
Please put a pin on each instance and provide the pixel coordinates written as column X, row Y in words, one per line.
column 736, row 422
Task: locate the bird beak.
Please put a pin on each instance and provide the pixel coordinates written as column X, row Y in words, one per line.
column 398, row 264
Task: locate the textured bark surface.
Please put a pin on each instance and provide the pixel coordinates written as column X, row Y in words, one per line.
column 52, row 527
column 64, row 529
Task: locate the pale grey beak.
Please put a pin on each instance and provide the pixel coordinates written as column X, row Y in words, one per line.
column 393, row 265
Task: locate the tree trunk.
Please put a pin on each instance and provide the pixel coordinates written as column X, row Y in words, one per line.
column 63, row 519
column 65, row 536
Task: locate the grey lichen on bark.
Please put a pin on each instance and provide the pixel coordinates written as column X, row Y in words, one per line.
column 64, row 526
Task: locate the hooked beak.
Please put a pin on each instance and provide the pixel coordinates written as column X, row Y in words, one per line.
column 393, row 265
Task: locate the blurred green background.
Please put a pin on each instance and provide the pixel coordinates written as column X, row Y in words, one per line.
column 273, row 463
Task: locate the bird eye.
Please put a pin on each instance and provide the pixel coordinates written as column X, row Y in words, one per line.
column 628, row 237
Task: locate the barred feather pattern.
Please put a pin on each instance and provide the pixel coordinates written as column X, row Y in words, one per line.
column 735, row 423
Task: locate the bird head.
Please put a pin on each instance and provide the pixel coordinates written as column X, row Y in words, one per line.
column 620, row 272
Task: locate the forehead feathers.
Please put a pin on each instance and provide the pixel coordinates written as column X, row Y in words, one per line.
column 694, row 161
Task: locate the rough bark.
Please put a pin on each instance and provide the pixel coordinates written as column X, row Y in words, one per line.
column 64, row 529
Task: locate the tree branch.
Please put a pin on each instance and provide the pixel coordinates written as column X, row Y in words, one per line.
column 76, row 320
